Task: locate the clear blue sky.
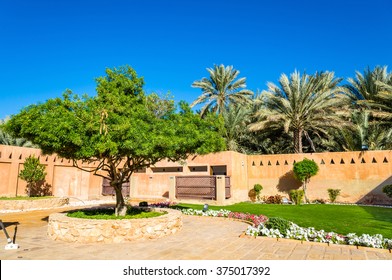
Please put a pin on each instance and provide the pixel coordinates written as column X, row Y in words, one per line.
column 49, row 46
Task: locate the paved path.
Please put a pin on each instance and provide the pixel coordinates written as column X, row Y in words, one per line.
column 201, row 238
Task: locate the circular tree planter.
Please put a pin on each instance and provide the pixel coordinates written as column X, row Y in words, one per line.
column 77, row 230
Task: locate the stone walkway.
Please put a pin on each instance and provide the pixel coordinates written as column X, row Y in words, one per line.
column 201, row 238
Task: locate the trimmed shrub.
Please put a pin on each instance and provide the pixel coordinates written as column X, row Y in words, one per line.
column 257, row 188
column 387, row 190
column 297, row 196
column 278, row 223
column 333, row 194
column 34, row 174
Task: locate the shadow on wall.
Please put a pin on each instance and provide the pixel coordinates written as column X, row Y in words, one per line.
column 376, row 195
column 287, row 182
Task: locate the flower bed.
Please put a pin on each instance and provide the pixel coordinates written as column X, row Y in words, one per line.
column 296, row 232
column 61, row 227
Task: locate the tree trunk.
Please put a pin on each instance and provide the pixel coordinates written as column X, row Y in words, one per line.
column 304, row 187
column 297, row 134
column 121, row 208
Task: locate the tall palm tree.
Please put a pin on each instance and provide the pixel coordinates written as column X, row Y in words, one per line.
column 236, row 132
column 220, row 89
column 371, row 96
column 300, row 105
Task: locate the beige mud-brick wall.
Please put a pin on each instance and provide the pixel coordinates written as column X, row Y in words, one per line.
column 65, row 179
column 359, row 175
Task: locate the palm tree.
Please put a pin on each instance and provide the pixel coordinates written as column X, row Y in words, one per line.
column 236, row 132
column 7, row 139
column 300, row 105
column 220, row 89
column 371, row 96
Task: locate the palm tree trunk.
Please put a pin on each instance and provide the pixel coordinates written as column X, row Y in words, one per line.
column 297, row 134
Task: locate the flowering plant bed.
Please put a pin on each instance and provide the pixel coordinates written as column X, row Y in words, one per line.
column 310, row 234
column 296, row 232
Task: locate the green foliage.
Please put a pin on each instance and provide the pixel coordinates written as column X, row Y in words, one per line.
column 8, row 139
column 34, row 174
column 301, row 104
column 278, row 223
column 387, row 190
column 221, row 89
column 297, row 196
column 305, row 169
column 333, row 194
column 109, row 214
column 119, row 129
column 257, row 188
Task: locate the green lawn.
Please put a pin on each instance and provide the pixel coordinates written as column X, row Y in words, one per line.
column 341, row 219
column 108, row 214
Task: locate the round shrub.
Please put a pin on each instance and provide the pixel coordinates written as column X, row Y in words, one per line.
column 387, row 190
column 333, row 194
column 278, row 223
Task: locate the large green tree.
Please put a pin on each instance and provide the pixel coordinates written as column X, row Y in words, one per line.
column 221, row 89
column 301, row 104
column 117, row 129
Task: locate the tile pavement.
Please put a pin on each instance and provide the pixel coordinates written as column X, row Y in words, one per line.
column 201, row 238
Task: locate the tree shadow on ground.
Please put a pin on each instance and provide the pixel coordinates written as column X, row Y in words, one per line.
column 287, row 182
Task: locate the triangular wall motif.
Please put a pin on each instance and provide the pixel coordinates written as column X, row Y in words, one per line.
column 341, row 161
column 269, row 163
column 352, row 161
column 374, row 160
column 384, row 161
column 253, row 164
column 363, row 160
column 10, row 156
column 20, row 157
column 46, row 158
column 277, row 162
column 332, row 162
column 286, row 163
column 322, row 162
column 294, row 162
column 261, row 163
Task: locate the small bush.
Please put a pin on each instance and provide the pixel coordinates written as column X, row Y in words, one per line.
column 387, row 190
column 34, row 174
column 333, row 194
column 319, row 201
column 257, row 188
column 278, row 223
column 273, row 199
column 296, row 196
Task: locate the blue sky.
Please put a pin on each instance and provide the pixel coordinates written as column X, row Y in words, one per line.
column 49, row 46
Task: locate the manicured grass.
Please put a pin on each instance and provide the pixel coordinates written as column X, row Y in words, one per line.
column 108, row 214
column 340, row 219
column 25, row 197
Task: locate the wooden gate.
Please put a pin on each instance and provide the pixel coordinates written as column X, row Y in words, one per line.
column 199, row 187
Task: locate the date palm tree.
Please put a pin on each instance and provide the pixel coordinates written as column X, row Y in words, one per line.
column 221, row 89
column 371, row 96
column 301, row 104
